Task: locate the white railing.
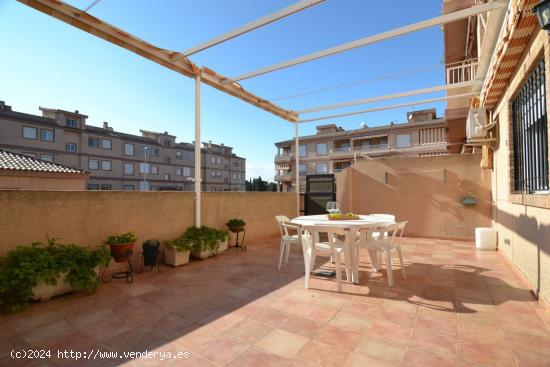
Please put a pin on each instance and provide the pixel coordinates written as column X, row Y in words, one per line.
column 462, row 73
column 284, row 156
column 361, row 148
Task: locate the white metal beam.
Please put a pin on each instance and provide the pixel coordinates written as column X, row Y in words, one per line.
column 438, row 88
column 390, row 107
column 292, row 9
column 442, row 19
column 198, row 179
column 297, row 165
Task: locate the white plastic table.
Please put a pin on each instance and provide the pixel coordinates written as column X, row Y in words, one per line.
column 349, row 225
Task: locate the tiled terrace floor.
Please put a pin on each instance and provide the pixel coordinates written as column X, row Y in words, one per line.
column 457, row 307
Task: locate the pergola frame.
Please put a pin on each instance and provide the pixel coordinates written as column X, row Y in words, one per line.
column 180, row 63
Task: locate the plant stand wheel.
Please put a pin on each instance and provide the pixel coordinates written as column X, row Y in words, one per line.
column 128, row 274
column 241, row 244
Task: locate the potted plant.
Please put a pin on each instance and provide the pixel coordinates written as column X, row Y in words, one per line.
column 205, row 241
column 177, row 251
column 120, row 244
column 41, row 271
column 151, row 250
column 236, row 225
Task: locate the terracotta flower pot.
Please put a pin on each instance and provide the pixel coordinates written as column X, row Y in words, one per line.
column 119, row 251
column 236, row 229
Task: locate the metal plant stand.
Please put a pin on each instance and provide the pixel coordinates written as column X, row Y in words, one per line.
column 128, row 274
column 241, row 244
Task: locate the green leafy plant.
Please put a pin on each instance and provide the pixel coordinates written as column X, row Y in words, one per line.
column 199, row 239
column 23, row 268
column 116, row 239
column 235, row 222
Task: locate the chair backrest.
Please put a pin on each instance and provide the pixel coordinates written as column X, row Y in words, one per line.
column 366, row 230
column 312, row 233
column 389, row 217
column 281, row 220
column 395, row 231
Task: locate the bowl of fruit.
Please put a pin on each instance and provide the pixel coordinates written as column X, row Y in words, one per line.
column 343, row 216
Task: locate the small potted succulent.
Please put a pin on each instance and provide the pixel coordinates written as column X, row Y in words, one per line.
column 235, row 225
column 151, row 250
column 177, row 251
column 120, row 244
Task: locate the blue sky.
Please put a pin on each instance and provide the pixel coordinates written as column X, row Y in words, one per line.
column 45, row 62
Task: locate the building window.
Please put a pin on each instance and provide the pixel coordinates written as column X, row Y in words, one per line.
column 167, row 142
column 213, row 160
column 303, row 169
column 29, row 132
column 179, row 171
column 143, row 168
column 70, row 147
column 154, row 170
column 322, row 168
column 213, row 173
column 403, row 141
column 186, row 171
column 93, row 164
column 106, row 187
column 107, row 144
column 46, row 135
column 70, row 122
column 129, row 169
column 166, row 177
column 153, row 151
column 128, row 187
column 303, row 150
column 93, row 187
column 93, row 142
column 179, row 154
column 106, row 165
column 218, row 160
column 47, row 157
column 30, row 154
column 530, row 134
column 128, row 149
column 321, row 149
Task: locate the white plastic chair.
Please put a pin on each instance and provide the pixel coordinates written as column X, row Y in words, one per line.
column 385, row 217
column 334, row 247
column 287, row 240
column 385, row 245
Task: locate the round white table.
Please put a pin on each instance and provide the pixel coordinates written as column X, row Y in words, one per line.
column 350, row 225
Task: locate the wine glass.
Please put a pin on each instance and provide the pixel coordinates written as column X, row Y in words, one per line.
column 332, row 207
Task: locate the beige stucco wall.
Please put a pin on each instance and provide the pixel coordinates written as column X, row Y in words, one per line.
column 88, row 217
column 425, row 191
column 523, row 230
column 41, row 183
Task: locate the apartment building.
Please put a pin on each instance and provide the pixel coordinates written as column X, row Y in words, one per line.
column 116, row 160
column 333, row 149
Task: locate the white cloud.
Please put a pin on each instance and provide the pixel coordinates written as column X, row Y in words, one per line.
column 265, row 170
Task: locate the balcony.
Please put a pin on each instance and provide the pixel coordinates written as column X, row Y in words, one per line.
column 359, row 149
column 285, row 157
column 285, row 177
column 462, row 72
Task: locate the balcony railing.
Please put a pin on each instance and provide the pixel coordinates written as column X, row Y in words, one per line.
column 284, row 177
column 284, row 156
column 462, row 72
column 362, row 149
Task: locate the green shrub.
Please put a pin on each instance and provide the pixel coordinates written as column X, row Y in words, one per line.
column 199, row 239
column 121, row 238
column 23, row 268
column 235, row 222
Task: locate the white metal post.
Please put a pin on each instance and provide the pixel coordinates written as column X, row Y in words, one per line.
column 297, row 165
column 145, row 169
column 198, row 150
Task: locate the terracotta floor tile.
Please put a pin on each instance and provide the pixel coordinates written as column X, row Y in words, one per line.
column 301, row 326
column 485, row 354
column 221, row 349
column 360, row 360
column 337, row 337
column 421, row 358
column 439, row 343
column 282, row 343
column 318, row 312
column 255, row 357
column 270, row 316
column 107, row 328
column 389, row 331
column 249, row 330
column 381, row 350
column 351, row 321
column 315, row 353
